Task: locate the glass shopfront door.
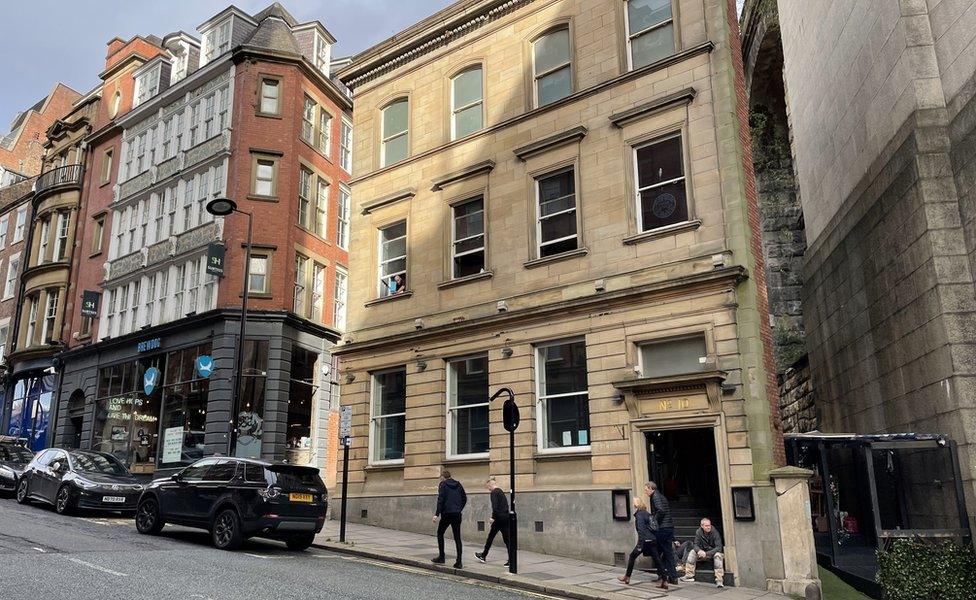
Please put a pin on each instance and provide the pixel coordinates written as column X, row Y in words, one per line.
column 30, row 410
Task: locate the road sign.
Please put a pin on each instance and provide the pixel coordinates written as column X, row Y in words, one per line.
column 205, row 365
column 510, row 415
column 215, row 259
column 345, row 421
column 89, row 303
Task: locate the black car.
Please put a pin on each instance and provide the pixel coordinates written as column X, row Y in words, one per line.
column 14, row 456
column 70, row 479
column 236, row 499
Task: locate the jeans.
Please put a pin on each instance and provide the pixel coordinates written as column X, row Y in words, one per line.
column 498, row 525
column 718, row 562
column 665, row 538
column 655, row 556
column 454, row 521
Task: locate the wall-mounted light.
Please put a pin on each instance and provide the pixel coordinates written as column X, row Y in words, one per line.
column 502, row 306
column 743, row 508
column 418, row 323
column 350, row 377
column 621, row 504
column 421, row 365
column 600, row 285
column 506, row 352
column 619, row 399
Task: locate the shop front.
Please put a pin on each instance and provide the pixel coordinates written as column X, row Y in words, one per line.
column 27, row 412
column 161, row 400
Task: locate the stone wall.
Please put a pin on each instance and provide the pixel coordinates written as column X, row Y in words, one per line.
column 797, row 400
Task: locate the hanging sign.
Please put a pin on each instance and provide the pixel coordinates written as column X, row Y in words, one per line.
column 89, row 303
column 215, row 259
column 149, row 380
column 205, row 365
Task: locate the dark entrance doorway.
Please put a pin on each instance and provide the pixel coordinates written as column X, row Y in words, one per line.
column 684, row 465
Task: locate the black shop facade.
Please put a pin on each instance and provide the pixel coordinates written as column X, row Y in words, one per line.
column 160, row 398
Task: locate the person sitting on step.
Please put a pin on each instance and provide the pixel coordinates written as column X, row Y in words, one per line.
column 707, row 546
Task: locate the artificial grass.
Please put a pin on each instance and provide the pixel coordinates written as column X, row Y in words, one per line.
column 835, row 589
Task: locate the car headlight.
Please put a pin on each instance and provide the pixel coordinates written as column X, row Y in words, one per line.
column 85, row 484
column 7, row 472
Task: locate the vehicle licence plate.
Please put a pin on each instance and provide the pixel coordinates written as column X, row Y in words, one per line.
column 300, row 497
column 113, row 499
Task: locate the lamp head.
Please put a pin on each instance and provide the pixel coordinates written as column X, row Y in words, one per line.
column 221, row 207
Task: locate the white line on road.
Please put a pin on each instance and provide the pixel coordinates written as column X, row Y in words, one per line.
column 261, row 556
column 38, row 549
column 97, row 567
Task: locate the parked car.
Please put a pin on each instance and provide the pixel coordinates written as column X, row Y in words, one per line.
column 69, row 479
column 235, row 499
column 14, row 456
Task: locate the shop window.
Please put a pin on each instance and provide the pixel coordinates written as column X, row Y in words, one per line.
column 184, row 408
column 30, row 410
column 126, row 419
column 563, row 395
column 556, row 225
column 673, row 357
column 301, row 398
column 250, row 416
column 467, row 405
column 388, row 417
column 661, row 196
column 468, row 230
column 394, row 146
column 467, row 100
column 650, row 31
column 393, row 259
column 552, row 66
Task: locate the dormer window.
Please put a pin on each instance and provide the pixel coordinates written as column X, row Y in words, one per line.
column 147, row 85
column 217, row 40
column 180, row 60
column 322, row 54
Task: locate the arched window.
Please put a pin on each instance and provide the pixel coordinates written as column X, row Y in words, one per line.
column 552, row 66
column 395, row 146
column 467, row 102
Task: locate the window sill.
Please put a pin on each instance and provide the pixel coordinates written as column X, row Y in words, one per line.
column 385, row 466
column 538, row 262
column 262, row 198
column 468, row 459
column 660, row 232
column 257, row 295
column 267, row 115
column 466, row 279
column 94, row 254
column 390, row 298
column 563, row 454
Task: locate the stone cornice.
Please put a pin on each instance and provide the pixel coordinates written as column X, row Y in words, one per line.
column 387, row 200
column 554, row 141
column 480, row 168
column 710, row 279
column 647, row 109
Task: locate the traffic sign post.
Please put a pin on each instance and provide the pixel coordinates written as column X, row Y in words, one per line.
column 510, row 418
column 345, row 428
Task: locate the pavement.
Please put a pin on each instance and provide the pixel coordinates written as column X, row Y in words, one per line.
column 102, row 557
column 538, row 573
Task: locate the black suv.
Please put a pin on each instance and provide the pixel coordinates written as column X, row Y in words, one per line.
column 236, row 499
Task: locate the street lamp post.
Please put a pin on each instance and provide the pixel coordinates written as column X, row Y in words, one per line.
column 221, row 207
column 510, row 417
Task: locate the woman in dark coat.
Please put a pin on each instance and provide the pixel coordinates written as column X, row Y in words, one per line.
column 646, row 543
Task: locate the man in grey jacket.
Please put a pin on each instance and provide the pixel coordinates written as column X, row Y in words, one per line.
column 707, row 546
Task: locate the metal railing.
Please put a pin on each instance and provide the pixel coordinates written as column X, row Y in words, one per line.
column 66, row 175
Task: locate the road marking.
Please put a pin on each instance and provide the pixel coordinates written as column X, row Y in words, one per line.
column 97, row 567
column 38, row 549
column 261, row 556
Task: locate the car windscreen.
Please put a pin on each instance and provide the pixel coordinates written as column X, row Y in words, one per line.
column 15, row 454
column 294, row 477
column 89, row 462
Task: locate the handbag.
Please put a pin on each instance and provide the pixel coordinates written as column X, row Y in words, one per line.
column 649, row 547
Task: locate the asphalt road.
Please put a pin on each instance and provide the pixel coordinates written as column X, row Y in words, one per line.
column 101, row 557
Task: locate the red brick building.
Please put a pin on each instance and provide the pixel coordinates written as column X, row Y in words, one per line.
column 248, row 111
column 22, row 148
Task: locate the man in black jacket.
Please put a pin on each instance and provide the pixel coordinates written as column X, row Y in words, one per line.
column 499, row 519
column 450, row 502
column 661, row 511
column 707, row 546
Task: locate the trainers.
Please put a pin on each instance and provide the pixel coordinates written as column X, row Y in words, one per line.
column 480, row 556
column 688, row 577
column 719, row 583
column 506, row 563
column 437, row 560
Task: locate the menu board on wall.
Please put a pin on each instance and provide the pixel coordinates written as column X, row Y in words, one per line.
column 172, row 444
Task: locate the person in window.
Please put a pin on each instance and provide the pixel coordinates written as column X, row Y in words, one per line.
column 499, row 519
column 395, row 285
column 661, row 511
column 647, row 544
column 450, row 502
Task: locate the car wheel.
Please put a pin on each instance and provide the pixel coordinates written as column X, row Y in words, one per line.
column 63, row 502
column 300, row 542
column 148, row 520
column 22, row 491
column 226, row 532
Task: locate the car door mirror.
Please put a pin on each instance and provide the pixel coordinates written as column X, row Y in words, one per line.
column 177, row 477
column 56, row 466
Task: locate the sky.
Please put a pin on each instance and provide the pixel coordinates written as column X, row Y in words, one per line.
column 45, row 41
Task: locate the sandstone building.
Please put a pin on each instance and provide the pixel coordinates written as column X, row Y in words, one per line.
column 557, row 197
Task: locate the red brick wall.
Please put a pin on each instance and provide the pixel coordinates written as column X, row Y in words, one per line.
column 276, row 223
column 758, row 275
column 29, row 145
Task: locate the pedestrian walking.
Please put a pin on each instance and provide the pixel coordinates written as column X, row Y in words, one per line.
column 647, row 544
column 661, row 511
column 499, row 519
column 450, row 502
